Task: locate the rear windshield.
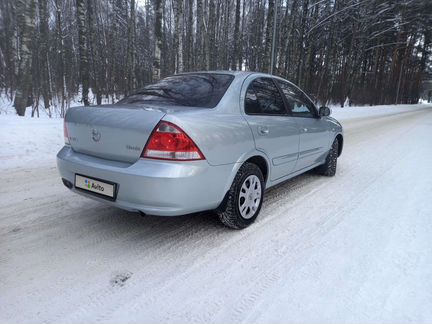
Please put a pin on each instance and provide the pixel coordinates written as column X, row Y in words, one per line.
column 192, row 90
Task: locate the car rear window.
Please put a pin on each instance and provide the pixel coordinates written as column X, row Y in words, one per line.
column 192, row 90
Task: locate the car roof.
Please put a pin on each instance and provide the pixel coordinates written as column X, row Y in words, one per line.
column 217, row 72
column 243, row 74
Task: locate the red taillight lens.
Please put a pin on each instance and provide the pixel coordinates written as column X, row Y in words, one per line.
column 169, row 142
column 65, row 133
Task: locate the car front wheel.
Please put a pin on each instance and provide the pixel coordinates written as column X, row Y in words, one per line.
column 329, row 167
column 244, row 198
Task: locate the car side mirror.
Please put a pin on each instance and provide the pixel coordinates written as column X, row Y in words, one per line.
column 324, row 111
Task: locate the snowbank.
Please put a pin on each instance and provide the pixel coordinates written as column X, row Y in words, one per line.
column 373, row 111
column 28, row 141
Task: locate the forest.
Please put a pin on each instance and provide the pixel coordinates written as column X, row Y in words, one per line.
column 341, row 52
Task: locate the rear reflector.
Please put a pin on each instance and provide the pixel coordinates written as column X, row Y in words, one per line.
column 65, row 133
column 169, row 142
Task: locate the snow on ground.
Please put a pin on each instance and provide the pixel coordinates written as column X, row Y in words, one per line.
column 352, row 248
column 372, row 111
column 27, row 142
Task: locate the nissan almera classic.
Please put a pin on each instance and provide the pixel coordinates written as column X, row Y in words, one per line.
column 198, row 141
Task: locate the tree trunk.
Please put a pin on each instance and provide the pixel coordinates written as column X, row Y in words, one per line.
column 158, row 34
column 268, row 36
column 178, row 32
column 234, row 58
column 301, row 44
column 199, row 52
column 241, row 39
column 81, row 13
column 131, row 50
column 189, row 35
column 43, row 52
column 26, row 26
column 210, row 37
column 93, row 57
column 7, row 45
column 60, row 51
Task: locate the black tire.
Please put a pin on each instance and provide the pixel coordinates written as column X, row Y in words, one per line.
column 229, row 213
column 329, row 167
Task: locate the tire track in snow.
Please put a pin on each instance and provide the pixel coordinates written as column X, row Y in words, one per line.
column 177, row 278
column 167, row 256
column 326, row 224
column 366, row 188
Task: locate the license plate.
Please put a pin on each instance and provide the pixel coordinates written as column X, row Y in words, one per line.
column 96, row 186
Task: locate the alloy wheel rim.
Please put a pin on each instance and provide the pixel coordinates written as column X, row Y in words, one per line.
column 250, row 196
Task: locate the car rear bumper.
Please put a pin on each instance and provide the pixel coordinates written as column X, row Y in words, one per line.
column 165, row 188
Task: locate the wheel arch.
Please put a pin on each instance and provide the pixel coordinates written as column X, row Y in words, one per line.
column 340, row 139
column 261, row 163
column 256, row 158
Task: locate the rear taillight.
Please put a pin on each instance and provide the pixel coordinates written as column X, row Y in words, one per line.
column 65, row 133
column 169, row 142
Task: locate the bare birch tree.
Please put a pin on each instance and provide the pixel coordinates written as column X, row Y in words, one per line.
column 26, row 10
column 339, row 51
column 81, row 13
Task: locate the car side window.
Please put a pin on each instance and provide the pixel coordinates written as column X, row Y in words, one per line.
column 264, row 98
column 299, row 105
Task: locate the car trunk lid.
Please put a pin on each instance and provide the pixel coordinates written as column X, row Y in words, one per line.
column 114, row 132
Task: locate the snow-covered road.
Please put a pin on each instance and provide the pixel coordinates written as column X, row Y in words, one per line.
column 353, row 248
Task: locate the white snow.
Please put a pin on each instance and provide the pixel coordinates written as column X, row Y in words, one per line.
column 353, row 248
column 28, row 142
column 373, row 111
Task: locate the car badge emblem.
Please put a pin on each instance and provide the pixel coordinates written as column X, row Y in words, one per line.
column 96, row 135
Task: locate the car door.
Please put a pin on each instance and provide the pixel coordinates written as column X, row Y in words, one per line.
column 314, row 136
column 275, row 133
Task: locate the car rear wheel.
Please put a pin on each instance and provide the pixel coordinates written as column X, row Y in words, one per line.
column 244, row 199
column 329, row 167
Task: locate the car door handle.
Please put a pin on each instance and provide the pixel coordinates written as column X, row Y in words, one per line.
column 304, row 130
column 263, row 130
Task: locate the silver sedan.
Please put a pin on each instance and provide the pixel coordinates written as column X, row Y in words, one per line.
column 198, row 141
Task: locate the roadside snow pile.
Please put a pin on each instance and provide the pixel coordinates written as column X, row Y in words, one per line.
column 29, row 141
column 373, row 111
column 6, row 105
